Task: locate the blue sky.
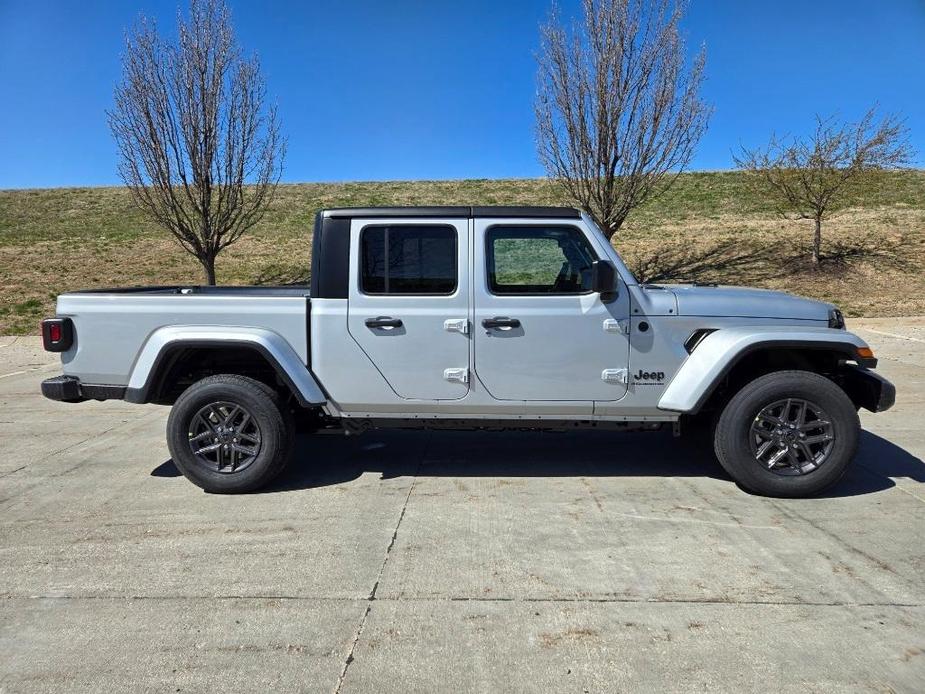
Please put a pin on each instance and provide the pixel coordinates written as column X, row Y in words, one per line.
column 417, row 89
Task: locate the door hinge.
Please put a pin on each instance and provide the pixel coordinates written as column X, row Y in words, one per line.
column 614, row 376
column 456, row 375
column 614, row 325
column 456, row 325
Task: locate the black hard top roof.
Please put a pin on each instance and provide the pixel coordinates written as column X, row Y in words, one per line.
column 454, row 211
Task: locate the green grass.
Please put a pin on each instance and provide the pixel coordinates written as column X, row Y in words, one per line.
column 709, row 226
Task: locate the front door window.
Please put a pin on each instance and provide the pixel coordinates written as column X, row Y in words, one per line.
column 539, row 260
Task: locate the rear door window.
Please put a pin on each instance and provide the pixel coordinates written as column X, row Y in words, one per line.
column 408, row 259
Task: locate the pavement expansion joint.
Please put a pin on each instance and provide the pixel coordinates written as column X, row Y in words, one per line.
column 526, row 600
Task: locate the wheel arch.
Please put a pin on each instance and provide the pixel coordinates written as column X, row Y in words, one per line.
column 258, row 353
column 721, row 361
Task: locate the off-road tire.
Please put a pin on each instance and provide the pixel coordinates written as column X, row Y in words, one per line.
column 272, row 419
column 734, row 429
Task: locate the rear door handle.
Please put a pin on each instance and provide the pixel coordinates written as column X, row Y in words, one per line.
column 383, row 322
column 500, row 322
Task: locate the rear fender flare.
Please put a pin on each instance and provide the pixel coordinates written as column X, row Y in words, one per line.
column 716, row 355
column 272, row 346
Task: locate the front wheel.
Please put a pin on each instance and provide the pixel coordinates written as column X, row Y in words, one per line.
column 787, row 434
column 229, row 434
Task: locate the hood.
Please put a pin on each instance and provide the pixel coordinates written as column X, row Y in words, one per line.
column 741, row 302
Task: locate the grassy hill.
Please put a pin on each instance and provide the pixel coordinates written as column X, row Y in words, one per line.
column 708, row 228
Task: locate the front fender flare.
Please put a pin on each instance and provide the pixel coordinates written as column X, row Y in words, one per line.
column 272, row 346
column 718, row 353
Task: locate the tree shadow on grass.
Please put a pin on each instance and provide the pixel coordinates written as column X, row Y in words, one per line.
column 327, row 459
column 279, row 275
column 838, row 256
column 714, row 262
column 741, row 261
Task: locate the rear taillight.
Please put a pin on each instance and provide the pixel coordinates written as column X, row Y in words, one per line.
column 57, row 334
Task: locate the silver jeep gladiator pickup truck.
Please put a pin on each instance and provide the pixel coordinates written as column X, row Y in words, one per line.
column 473, row 318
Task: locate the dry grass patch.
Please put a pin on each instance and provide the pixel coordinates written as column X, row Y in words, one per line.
column 707, row 229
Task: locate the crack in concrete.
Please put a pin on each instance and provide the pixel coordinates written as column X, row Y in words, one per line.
column 99, row 436
column 858, row 552
column 896, row 484
column 7, row 474
column 895, row 335
column 372, row 593
column 45, row 456
column 30, row 369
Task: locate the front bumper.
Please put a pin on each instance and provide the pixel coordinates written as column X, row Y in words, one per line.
column 70, row 389
column 868, row 389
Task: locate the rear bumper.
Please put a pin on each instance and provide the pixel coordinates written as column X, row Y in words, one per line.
column 868, row 389
column 70, row 389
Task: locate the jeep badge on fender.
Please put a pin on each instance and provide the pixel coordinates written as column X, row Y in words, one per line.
column 649, row 376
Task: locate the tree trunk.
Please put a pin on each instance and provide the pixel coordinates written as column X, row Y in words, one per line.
column 208, row 267
column 817, row 241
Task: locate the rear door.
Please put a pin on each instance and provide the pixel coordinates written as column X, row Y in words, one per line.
column 409, row 303
column 540, row 333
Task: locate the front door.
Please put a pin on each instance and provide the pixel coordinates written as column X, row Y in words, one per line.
column 409, row 303
column 540, row 332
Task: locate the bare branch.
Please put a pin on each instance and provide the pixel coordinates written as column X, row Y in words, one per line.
column 618, row 112
column 200, row 150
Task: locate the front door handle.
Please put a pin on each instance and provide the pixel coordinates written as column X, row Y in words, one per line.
column 500, row 322
column 383, row 322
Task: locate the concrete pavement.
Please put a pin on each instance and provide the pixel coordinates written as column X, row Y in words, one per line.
column 405, row 561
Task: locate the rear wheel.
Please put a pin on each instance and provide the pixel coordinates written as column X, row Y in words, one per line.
column 229, row 434
column 787, row 434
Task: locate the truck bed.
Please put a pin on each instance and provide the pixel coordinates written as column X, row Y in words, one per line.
column 112, row 325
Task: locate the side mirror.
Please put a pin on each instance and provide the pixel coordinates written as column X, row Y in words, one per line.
column 604, row 279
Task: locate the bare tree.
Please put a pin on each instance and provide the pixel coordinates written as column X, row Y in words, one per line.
column 618, row 112
column 200, row 150
column 813, row 177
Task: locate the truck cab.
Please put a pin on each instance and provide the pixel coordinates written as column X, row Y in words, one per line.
column 491, row 311
column 473, row 318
